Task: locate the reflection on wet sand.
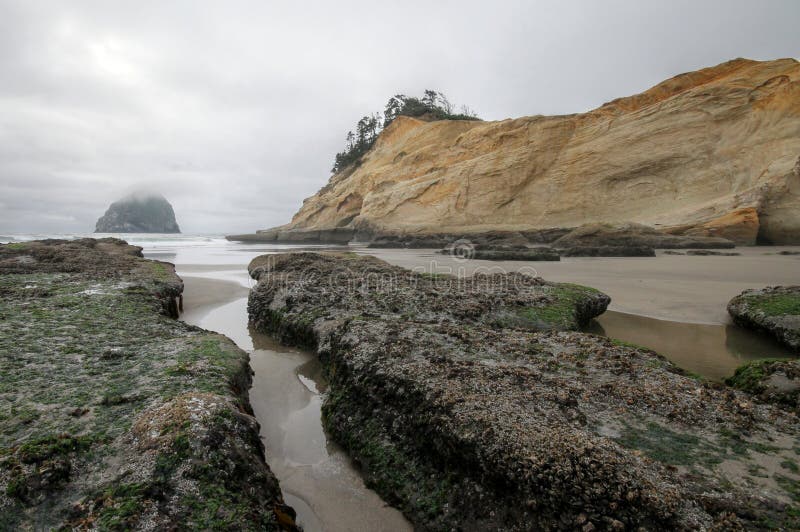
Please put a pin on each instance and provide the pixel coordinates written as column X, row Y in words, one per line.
column 317, row 478
column 286, row 398
column 713, row 351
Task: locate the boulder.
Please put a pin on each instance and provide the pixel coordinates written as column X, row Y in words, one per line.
column 774, row 310
column 771, row 381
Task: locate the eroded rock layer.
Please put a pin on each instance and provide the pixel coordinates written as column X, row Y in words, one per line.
column 466, row 418
column 706, row 153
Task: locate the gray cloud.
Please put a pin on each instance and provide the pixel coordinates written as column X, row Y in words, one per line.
column 234, row 110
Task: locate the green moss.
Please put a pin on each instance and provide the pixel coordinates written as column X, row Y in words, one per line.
column 85, row 357
column 396, row 473
column 434, row 276
column 749, row 377
column 122, row 506
column 791, row 486
column 654, row 363
column 42, row 449
column 775, row 304
column 790, row 465
column 167, row 462
column 559, row 312
column 664, row 445
column 729, row 440
column 210, row 364
column 688, row 449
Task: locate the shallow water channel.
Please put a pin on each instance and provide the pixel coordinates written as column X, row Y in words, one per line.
column 317, row 478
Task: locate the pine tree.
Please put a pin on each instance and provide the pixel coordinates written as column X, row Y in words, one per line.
column 433, row 104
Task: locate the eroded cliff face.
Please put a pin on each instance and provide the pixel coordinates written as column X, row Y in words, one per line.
column 711, row 152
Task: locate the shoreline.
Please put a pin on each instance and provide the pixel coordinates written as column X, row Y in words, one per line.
column 202, row 295
column 711, row 349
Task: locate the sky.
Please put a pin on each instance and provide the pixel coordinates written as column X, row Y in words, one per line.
column 234, row 110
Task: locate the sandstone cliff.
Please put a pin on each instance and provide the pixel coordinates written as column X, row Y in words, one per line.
column 712, row 152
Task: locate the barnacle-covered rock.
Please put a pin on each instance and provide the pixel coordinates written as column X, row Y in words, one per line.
column 466, row 421
column 114, row 415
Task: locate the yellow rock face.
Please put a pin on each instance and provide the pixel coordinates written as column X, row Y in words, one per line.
column 708, row 152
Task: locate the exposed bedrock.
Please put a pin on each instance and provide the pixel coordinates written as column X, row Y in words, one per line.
column 114, row 415
column 470, row 405
column 631, row 235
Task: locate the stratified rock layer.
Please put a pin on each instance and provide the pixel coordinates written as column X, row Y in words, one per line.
column 706, row 153
column 114, row 415
column 139, row 213
column 634, row 235
column 467, row 420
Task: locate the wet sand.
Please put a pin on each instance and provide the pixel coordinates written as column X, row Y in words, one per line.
column 201, row 295
column 316, row 475
column 669, row 287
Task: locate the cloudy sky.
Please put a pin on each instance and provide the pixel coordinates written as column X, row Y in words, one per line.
column 235, row 109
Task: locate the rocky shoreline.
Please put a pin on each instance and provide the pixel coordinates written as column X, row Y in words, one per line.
column 473, row 404
column 590, row 240
column 114, row 415
column 774, row 310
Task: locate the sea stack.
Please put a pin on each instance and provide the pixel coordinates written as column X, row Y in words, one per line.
column 139, row 213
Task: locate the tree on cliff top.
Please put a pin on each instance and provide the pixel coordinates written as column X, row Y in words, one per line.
column 433, row 105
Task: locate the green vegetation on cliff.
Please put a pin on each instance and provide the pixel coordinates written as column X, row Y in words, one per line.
column 433, row 105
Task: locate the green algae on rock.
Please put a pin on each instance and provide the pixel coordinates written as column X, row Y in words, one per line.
column 113, row 415
column 466, row 421
column 772, row 381
column 774, row 310
column 364, row 286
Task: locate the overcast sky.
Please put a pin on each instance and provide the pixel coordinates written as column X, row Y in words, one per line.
column 234, row 109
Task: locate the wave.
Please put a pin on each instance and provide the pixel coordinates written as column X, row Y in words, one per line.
column 145, row 240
